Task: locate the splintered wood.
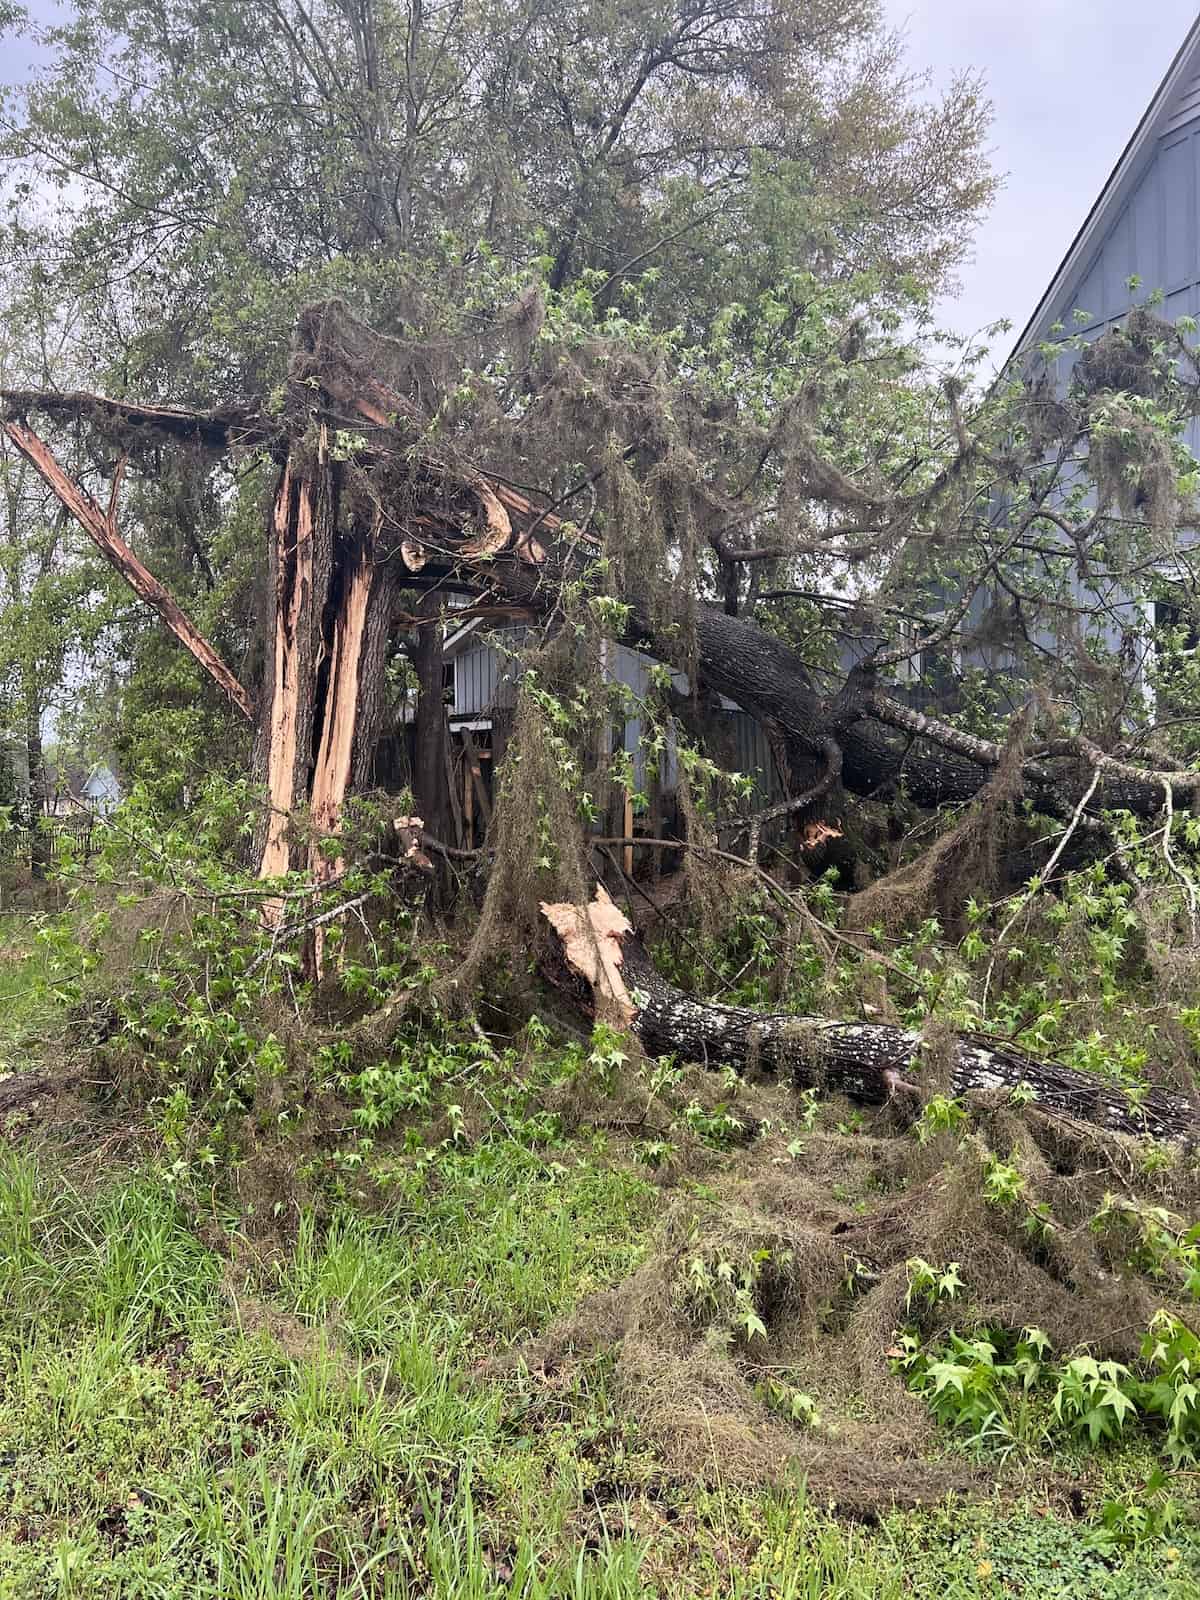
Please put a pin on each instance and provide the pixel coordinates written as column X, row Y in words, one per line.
column 591, row 937
column 331, row 775
column 101, row 529
column 293, row 583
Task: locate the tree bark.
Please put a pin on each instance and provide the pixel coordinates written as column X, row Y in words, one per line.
column 39, row 839
column 430, row 753
column 609, row 973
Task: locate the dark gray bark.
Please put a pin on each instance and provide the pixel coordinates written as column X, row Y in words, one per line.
column 874, row 1063
column 39, row 839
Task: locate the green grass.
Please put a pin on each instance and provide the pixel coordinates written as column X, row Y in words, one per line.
column 186, row 1414
column 156, row 1440
column 25, row 1011
column 184, row 1419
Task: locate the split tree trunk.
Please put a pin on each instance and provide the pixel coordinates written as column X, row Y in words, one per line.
column 869, row 1062
column 444, row 527
column 330, row 626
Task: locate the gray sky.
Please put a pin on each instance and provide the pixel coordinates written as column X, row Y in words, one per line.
column 1069, row 80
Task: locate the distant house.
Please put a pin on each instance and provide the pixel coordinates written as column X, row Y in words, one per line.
column 1139, row 240
column 75, row 790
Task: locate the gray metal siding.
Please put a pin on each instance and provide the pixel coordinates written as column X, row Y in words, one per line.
column 484, row 681
column 484, row 676
column 754, row 757
column 1187, row 107
column 1154, row 237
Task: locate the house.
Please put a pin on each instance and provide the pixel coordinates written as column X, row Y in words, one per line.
column 481, row 670
column 1139, row 243
column 75, row 790
column 1143, row 225
column 1141, row 239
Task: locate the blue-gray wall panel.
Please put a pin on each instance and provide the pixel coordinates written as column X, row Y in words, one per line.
column 1179, row 208
column 1117, row 265
column 1146, row 207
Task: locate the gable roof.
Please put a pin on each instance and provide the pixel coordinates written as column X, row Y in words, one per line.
column 1176, row 100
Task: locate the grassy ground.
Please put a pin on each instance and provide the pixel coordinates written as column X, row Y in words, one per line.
column 25, row 1014
column 185, row 1411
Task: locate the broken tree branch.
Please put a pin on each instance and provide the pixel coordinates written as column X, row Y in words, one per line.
column 101, row 529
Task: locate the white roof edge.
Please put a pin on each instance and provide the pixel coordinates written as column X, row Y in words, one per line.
column 455, row 640
column 1120, row 180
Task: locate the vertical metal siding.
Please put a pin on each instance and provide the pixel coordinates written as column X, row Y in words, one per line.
column 1089, row 297
column 484, row 676
column 1146, row 229
column 1176, row 168
column 1117, row 258
column 1187, row 107
column 1156, row 237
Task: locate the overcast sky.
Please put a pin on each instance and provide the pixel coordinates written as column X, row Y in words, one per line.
column 1069, row 80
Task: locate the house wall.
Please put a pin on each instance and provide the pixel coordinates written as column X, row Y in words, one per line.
column 1153, row 235
column 484, row 683
column 102, row 792
column 484, row 679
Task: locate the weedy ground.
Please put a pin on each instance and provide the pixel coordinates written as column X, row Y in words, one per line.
column 323, row 1404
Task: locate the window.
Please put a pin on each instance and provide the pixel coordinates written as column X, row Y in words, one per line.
column 1180, row 621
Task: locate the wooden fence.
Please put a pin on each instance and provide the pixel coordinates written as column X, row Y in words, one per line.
column 59, row 838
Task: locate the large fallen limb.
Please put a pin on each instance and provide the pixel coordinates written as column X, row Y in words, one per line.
column 218, row 429
column 869, row 1062
column 101, row 529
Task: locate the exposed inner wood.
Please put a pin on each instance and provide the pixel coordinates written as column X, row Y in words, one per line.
column 293, row 539
column 593, row 937
column 497, row 530
column 331, row 773
column 101, row 528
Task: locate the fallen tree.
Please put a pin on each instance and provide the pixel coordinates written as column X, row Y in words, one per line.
column 351, row 529
column 366, row 510
column 868, row 1062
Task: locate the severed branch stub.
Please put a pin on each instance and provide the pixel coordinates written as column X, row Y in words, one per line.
column 593, row 944
column 869, row 1062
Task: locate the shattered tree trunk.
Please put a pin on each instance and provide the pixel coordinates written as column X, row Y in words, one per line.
column 868, row 1062
column 453, row 528
column 330, row 625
